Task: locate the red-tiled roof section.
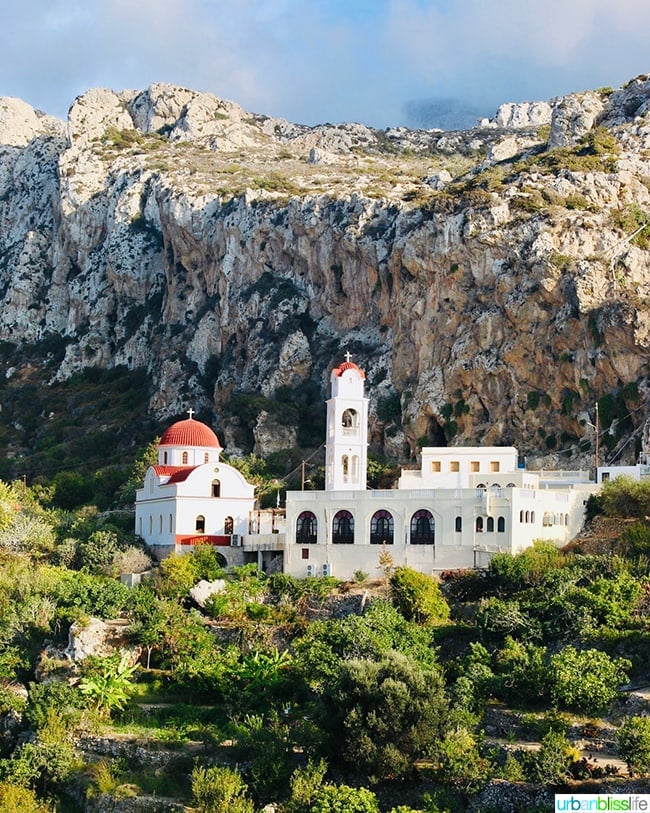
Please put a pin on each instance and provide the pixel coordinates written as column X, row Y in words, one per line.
column 347, row 365
column 190, row 433
column 181, row 475
column 176, row 474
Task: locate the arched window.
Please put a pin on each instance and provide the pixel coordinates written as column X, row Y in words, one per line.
column 150, row 524
column 479, row 525
column 345, row 461
column 382, row 528
column 228, row 525
column 423, row 528
column 185, row 458
column 532, row 517
column 501, row 525
column 171, row 523
column 521, row 516
column 490, row 525
column 206, row 457
column 527, row 515
column 306, row 528
column 343, row 528
column 350, row 419
column 459, row 524
column 511, row 485
column 216, row 488
column 140, row 526
column 165, row 458
column 200, row 524
column 160, row 524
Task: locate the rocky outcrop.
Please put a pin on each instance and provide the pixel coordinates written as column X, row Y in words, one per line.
column 489, row 283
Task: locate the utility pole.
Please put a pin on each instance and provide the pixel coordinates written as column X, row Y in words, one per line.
column 597, row 448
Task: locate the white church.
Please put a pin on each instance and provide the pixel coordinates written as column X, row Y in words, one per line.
column 460, row 507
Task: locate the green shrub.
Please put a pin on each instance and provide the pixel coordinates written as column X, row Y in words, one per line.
column 219, row 790
column 586, row 680
column 418, row 597
column 625, row 497
column 634, row 744
column 378, row 717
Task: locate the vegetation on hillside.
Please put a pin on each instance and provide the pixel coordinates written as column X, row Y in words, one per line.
column 286, row 691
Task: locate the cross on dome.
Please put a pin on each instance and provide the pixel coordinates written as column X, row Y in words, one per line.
column 190, row 412
column 348, row 356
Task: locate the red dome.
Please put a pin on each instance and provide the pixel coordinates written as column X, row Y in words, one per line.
column 190, row 433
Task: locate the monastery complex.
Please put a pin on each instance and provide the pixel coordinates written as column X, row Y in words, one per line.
column 461, row 506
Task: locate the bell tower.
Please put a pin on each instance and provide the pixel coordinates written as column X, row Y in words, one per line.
column 346, row 444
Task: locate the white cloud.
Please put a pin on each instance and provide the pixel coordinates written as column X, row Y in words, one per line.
column 323, row 60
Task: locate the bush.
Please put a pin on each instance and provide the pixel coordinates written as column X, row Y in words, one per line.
column 418, row 597
column 625, row 497
column 380, row 717
column 219, row 790
column 634, row 744
column 586, row 680
column 552, row 762
column 344, row 799
column 17, row 799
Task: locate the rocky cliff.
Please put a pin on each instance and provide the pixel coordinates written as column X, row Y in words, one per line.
column 494, row 283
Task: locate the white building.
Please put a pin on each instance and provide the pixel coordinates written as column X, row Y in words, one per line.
column 461, row 506
column 190, row 497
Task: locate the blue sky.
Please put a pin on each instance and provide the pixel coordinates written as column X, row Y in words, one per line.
column 380, row 62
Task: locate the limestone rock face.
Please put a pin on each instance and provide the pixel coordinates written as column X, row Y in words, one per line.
column 523, row 115
column 20, row 123
column 492, row 286
column 573, row 117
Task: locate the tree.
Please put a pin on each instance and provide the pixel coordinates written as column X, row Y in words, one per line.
column 219, row 790
column 386, row 562
column 418, row 597
column 634, row 744
column 146, row 457
column 381, row 716
column 71, row 490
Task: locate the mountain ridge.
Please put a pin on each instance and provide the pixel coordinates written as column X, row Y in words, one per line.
column 490, row 281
